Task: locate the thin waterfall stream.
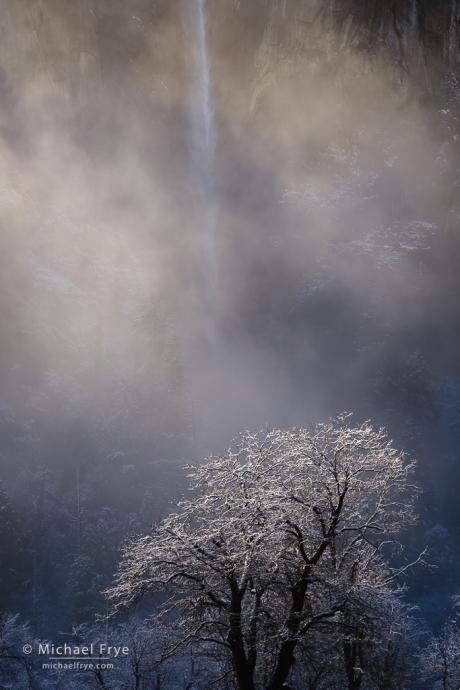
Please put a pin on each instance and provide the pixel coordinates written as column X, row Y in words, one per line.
column 201, row 145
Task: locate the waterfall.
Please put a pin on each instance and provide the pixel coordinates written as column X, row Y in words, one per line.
column 201, row 145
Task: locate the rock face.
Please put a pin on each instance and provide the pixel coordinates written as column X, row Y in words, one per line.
column 411, row 43
column 53, row 42
column 75, row 46
column 79, row 49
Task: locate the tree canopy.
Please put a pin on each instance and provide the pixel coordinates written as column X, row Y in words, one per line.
column 287, row 535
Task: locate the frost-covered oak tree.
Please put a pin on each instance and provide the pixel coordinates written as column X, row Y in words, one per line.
column 286, row 537
column 441, row 658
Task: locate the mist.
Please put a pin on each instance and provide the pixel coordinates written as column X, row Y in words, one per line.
column 216, row 217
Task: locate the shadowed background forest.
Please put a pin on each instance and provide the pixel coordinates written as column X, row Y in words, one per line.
column 328, row 221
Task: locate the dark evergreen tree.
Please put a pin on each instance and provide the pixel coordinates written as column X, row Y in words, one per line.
column 90, row 572
column 14, row 546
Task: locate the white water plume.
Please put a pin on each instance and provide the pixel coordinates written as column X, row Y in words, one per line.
column 201, row 143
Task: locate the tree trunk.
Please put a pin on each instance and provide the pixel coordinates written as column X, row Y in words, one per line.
column 286, row 658
column 353, row 657
column 244, row 676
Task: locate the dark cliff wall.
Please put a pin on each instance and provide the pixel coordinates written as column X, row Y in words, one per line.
column 77, row 48
column 411, row 43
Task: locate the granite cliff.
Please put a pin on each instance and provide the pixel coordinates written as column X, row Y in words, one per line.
column 80, row 48
column 51, row 42
column 411, row 44
column 82, row 51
